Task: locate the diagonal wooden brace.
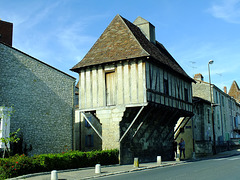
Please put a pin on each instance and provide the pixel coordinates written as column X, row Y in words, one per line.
column 91, row 124
column 131, row 124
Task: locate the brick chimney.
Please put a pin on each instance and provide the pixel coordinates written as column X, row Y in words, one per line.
column 6, row 32
column 198, row 77
column 225, row 89
column 147, row 28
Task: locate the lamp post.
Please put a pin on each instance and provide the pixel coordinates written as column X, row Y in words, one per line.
column 213, row 128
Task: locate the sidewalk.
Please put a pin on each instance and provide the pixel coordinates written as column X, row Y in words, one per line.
column 89, row 173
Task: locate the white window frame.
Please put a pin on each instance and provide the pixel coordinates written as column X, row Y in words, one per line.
column 5, row 114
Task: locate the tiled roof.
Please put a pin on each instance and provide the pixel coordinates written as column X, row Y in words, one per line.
column 123, row 40
column 234, row 91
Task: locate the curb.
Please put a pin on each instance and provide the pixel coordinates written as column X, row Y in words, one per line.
column 133, row 170
column 100, row 175
column 122, row 172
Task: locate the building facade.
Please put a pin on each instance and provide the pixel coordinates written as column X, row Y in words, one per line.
column 224, row 120
column 42, row 101
column 136, row 90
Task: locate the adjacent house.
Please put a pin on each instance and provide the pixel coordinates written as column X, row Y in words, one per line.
column 197, row 131
column 235, row 91
column 135, row 90
column 35, row 97
column 213, row 117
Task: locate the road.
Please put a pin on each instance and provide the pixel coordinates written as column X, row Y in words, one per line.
column 213, row 169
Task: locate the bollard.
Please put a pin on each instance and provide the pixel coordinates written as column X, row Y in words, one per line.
column 159, row 160
column 177, row 157
column 54, row 175
column 193, row 155
column 136, row 163
column 98, row 168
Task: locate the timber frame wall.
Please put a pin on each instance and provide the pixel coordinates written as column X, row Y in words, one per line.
column 132, row 83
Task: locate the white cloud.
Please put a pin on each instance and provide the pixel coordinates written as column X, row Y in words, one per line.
column 228, row 10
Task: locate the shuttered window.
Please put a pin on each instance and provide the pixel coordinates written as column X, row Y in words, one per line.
column 186, row 94
column 110, row 89
column 89, row 141
column 165, row 86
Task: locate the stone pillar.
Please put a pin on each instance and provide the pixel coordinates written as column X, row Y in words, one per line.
column 77, row 131
column 110, row 118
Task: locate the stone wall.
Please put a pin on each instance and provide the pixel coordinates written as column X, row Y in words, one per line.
column 42, row 98
column 150, row 136
column 203, row 148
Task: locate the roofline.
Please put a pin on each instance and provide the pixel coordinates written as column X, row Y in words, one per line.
column 104, row 63
column 172, row 70
column 142, row 57
column 38, row 60
column 214, row 86
column 123, row 20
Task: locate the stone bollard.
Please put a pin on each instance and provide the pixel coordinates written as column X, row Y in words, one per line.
column 54, row 175
column 193, row 155
column 177, row 158
column 98, row 168
column 159, row 160
column 136, row 163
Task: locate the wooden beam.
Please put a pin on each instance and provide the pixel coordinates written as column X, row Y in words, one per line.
column 183, row 127
column 91, row 124
column 140, row 125
column 131, row 124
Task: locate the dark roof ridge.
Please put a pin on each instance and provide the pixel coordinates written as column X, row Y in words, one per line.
column 236, row 85
column 169, row 55
column 155, row 50
column 125, row 20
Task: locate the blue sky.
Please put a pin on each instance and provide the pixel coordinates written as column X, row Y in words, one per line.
column 60, row 32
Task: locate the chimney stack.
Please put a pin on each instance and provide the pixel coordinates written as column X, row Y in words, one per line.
column 147, row 28
column 198, row 77
column 6, row 32
column 225, row 89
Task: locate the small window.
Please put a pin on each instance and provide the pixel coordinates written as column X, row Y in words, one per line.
column 165, row 85
column 89, row 141
column 225, row 121
column 186, row 94
column 208, row 115
column 223, row 101
column 216, row 97
column 218, row 119
column 182, row 129
column 86, row 122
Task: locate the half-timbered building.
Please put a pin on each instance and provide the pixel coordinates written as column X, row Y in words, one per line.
column 132, row 85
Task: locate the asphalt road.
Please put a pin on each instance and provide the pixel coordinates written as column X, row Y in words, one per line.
column 213, row 169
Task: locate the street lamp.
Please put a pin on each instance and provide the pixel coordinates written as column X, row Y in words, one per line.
column 213, row 129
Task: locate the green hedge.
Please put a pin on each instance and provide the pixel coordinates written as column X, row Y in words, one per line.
column 20, row 165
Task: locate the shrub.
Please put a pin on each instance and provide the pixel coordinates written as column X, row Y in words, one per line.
column 20, row 164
